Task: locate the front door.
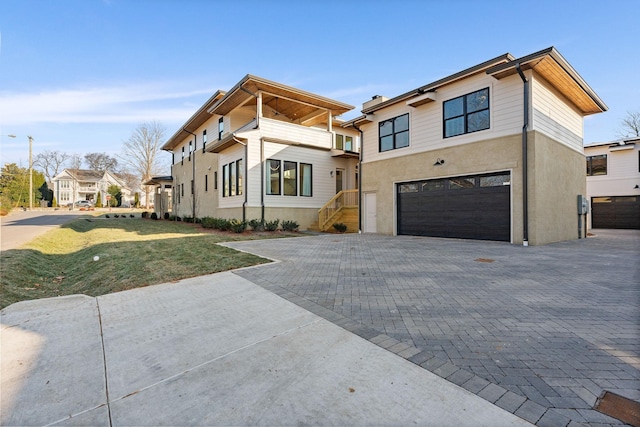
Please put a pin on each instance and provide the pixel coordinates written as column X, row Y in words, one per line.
column 339, row 180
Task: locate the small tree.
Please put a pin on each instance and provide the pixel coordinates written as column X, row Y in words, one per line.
column 136, row 200
column 116, row 195
column 54, row 203
column 99, row 200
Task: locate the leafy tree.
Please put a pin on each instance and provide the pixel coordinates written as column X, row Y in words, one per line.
column 116, row 195
column 100, row 162
column 630, row 125
column 140, row 152
column 51, row 163
column 14, row 186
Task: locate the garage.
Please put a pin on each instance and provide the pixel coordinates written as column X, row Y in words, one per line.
column 621, row 212
column 466, row 207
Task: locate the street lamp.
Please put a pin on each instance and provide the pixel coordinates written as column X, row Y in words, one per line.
column 30, row 170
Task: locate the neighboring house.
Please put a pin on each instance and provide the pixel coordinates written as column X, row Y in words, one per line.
column 264, row 150
column 162, row 194
column 72, row 185
column 613, row 183
column 447, row 159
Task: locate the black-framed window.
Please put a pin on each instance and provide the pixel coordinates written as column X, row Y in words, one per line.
column 306, row 180
column 597, row 165
column 290, row 178
column 190, row 149
column 215, row 180
column 204, row 139
column 182, row 160
column 394, row 133
column 192, row 187
column 182, row 189
column 206, row 182
column 225, row 181
column 274, row 173
column 220, row 127
column 239, row 177
column 467, row 113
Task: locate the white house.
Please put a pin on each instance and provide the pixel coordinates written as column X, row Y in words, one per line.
column 613, row 183
column 264, row 150
column 492, row 152
column 72, row 185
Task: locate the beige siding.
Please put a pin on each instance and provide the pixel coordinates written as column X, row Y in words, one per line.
column 314, row 137
column 426, row 121
column 555, row 116
column 233, row 154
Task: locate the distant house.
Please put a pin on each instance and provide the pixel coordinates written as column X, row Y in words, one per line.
column 613, row 183
column 264, row 150
column 72, row 185
column 492, row 152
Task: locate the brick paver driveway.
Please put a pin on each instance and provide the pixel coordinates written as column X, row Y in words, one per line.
column 540, row 331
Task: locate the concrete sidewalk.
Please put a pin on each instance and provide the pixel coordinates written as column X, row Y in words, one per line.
column 212, row 350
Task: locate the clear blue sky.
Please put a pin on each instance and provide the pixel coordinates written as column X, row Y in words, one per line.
column 80, row 75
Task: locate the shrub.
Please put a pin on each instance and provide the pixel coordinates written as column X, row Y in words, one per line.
column 145, row 214
column 154, row 215
column 132, row 216
column 256, row 224
column 107, row 216
column 172, row 218
column 187, row 219
column 223, row 224
column 166, row 215
column 271, row 225
column 237, row 226
column 178, row 219
column 208, row 222
column 340, row 227
column 116, row 216
column 290, row 225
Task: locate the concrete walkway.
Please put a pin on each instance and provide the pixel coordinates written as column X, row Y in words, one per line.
column 213, row 350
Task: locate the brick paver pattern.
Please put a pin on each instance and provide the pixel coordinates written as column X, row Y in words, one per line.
column 539, row 331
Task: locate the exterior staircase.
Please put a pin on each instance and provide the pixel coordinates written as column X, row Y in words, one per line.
column 342, row 208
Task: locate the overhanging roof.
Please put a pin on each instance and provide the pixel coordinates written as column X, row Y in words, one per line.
column 277, row 96
column 159, row 180
column 194, row 122
column 549, row 64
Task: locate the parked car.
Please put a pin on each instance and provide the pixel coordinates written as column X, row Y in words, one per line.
column 84, row 204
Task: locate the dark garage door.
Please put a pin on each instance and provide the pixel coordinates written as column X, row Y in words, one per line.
column 615, row 212
column 469, row 207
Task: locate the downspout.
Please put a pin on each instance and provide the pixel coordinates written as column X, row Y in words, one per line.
column 244, row 204
column 193, row 167
column 359, row 179
column 262, row 178
column 525, row 186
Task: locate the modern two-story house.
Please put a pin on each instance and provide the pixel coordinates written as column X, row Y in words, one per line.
column 72, row 185
column 264, row 150
column 492, row 152
column 613, row 183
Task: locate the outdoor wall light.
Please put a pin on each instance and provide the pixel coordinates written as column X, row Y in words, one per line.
column 331, row 173
column 637, row 186
column 438, row 162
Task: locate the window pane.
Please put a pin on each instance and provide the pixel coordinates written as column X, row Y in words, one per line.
column 478, row 101
column 433, row 185
column 305, row 180
column 239, row 175
column 478, row 121
column 348, row 143
column 402, row 139
column 273, row 176
column 494, row 180
column 339, row 142
column 225, row 181
column 401, row 123
column 458, row 183
column 454, row 127
column 408, row 188
column 453, row 108
column 599, row 165
column 386, row 128
column 290, row 179
column 232, row 179
column 386, row 143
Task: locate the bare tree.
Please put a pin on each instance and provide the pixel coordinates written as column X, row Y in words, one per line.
column 630, row 125
column 51, row 163
column 75, row 161
column 140, row 152
column 100, row 162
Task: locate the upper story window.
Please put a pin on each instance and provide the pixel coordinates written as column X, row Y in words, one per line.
column 220, row 127
column 182, row 161
column 344, row 142
column 597, row 165
column 467, row 113
column 204, row 139
column 394, row 133
column 190, row 149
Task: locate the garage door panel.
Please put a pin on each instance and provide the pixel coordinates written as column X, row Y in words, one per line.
column 478, row 212
column 620, row 212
